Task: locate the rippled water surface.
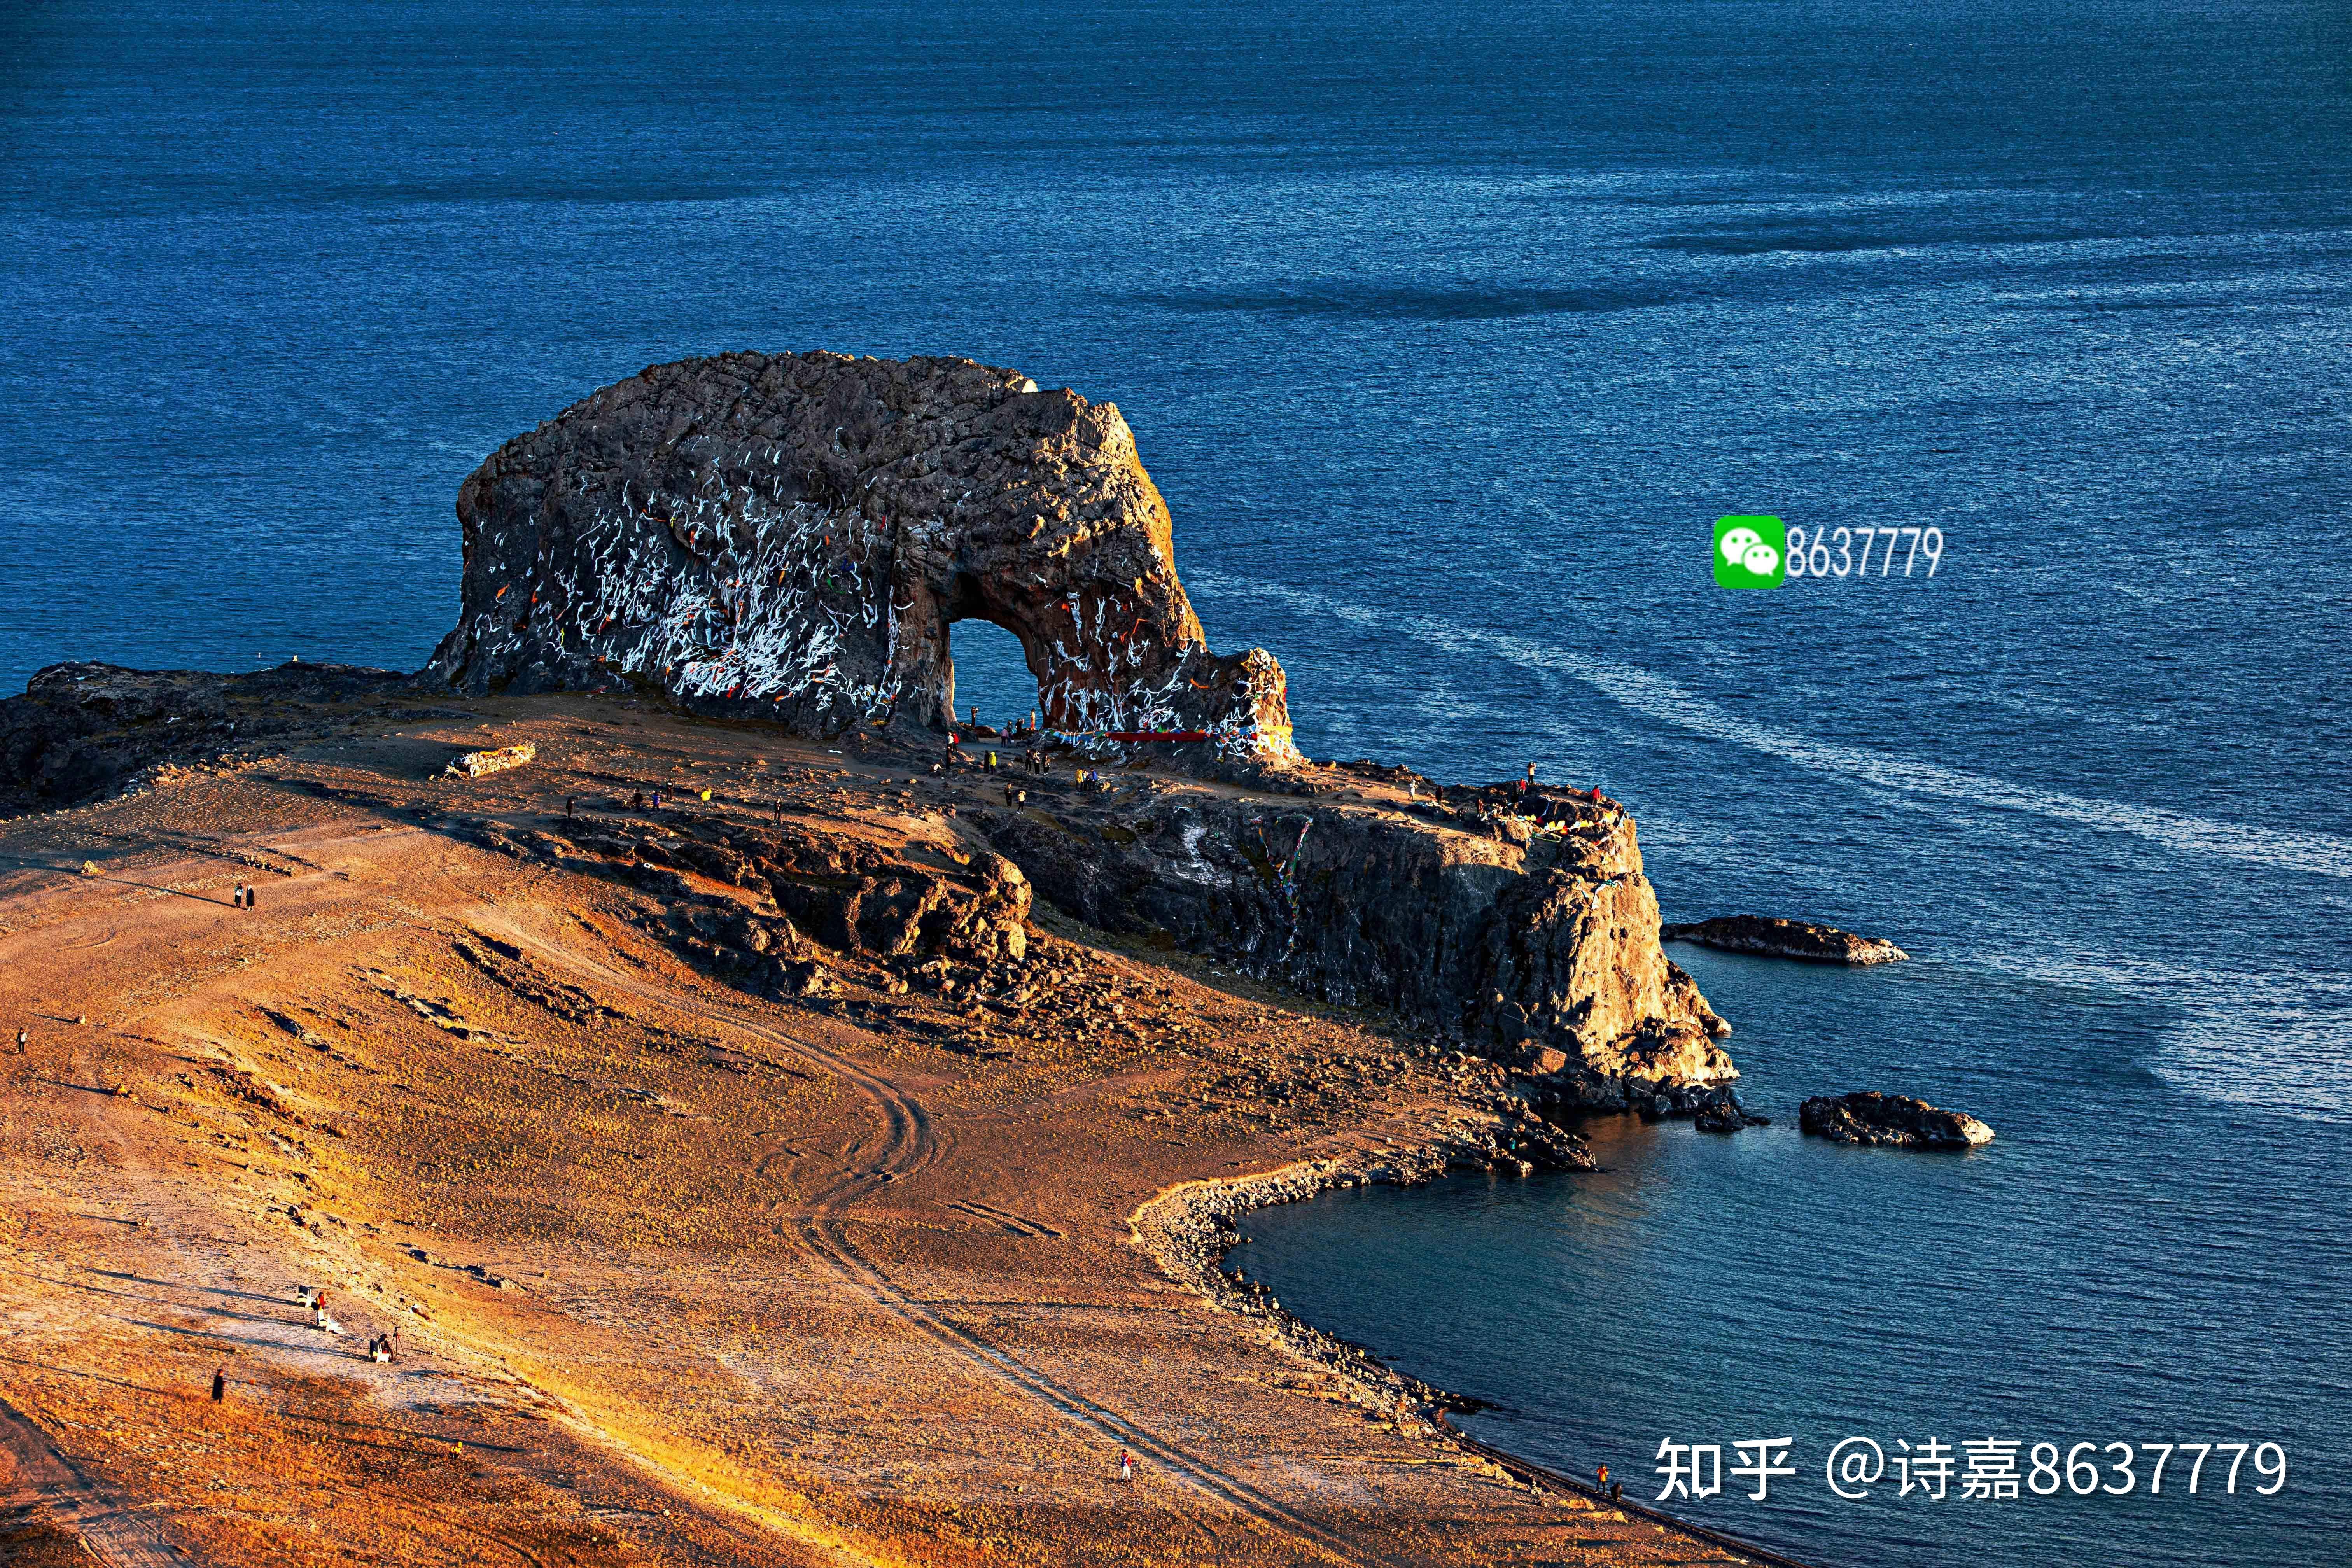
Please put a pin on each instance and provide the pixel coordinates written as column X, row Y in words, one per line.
column 1447, row 332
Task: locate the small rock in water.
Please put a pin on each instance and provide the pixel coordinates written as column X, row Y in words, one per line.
column 1892, row 1120
column 1778, row 938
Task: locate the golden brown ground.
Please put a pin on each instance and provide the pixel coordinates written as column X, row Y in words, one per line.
column 680, row 1275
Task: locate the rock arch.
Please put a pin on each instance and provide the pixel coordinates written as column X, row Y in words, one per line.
column 789, row 536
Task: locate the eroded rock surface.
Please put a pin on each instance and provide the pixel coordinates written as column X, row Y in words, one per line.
column 86, row 729
column 789, row 536
column 1523, row 925
column 1895, row 1120
column 1778, row 938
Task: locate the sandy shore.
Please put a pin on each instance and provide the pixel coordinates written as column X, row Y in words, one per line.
column 679, row 1274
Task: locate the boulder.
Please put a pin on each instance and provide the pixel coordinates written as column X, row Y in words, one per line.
column 481, row 764
column 1778, row 938
column 790, row 537
column 1892, row 1120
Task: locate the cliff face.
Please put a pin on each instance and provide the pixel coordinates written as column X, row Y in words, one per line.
column 789, row 536
column 1536, row 943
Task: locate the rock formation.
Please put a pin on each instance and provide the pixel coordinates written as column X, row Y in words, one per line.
column 790, row 537
column 781, row 911
column 1777, row 937
column 1894, row 1119
column 1470, row 915
column 81, row 730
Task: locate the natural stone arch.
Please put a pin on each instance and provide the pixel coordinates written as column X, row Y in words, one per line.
column 791, row 536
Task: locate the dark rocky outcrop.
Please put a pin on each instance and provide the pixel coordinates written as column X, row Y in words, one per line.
column 1725, row 1114
column 789, row 536
column 1892, row 1119
column 782, row 912
column 83, row 730
column 1778, row 938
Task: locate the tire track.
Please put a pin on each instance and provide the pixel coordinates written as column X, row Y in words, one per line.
column 910, row 1143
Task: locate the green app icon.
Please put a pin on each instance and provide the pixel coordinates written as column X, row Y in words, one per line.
column 1750, row 552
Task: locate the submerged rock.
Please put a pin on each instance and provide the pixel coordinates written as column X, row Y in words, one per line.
column 1892, row 1119
column 1779, row 937
column 789, row 536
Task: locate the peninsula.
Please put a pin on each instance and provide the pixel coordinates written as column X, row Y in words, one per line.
column 755, row 1128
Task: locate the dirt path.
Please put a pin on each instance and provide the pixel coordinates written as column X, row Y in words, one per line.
column 910, row 1144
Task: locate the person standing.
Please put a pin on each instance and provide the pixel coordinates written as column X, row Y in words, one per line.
column 1604, row 1479
column 1126, row 1466
column 24, row 1043
column 220, row 1383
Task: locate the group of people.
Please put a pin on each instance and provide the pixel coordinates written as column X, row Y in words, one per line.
column 243, row 896
column 1020, row 726
column 380, row 1347
column 315, row 1301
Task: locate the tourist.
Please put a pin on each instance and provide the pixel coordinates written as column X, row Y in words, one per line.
column 23, row 1043
column 1125, row 1466
column 1604, row 1479
column 1616, row 1493
column 637, row 800
column 220, row 1383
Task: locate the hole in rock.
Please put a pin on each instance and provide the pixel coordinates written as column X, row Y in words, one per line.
column 989, row 672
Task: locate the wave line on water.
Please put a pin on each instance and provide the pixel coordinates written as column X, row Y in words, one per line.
column 1656, row 697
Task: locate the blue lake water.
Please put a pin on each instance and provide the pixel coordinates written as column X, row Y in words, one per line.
column 1448, row 332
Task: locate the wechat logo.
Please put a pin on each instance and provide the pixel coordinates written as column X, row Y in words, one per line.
column 1750, row 552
